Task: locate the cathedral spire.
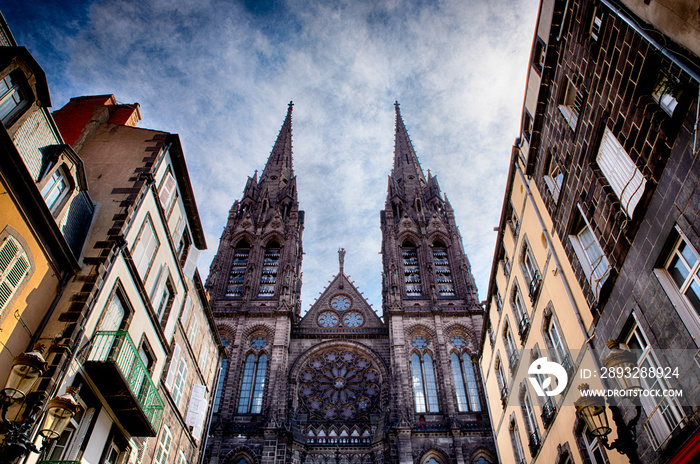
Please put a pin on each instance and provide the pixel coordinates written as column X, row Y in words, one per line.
column 406, row 165
column 278, row 172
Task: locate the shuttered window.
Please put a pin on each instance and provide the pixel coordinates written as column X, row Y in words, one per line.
column 620, row 171
column 14, row 268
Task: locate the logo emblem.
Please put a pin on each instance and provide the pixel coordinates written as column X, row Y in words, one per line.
column 542, row 367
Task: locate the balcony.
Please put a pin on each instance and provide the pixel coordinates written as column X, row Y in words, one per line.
column 115, row 367
column 534, row 443
column 504, row 395
column 523, row 327
column 534, row 287
column 513, row 360
column 548, row 410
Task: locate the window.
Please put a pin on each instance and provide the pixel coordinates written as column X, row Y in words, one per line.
column 511, row 349
column 424, row 387
column 530, row 420
column 539, row 55
column 679, row 275
column 411, row 270
column 664, row 413
column 667, row 91
column 56, row 190
column 501, row 380
column 571, row 103
column 268, row 279
column 145, row 248
column 553, row 177
column 14, row 268
column 442, row 270
column 593, row 261
column 253, row 385
column 183, row 247
column 593, row 448
column 596, row 25
column 621, row 172
column 465, row 383
column 11, row 98
column 220, row 384
column 181, row 458
column 167, row 192
column 163, row 447
column 236, row 277
column 193, row 329
column 519, row 311
column 555, row 341
column 530, row 271
column 204, row 357
column 505, row 262
column 513, row 221
column 180, row 381
column 527, row 126
column 165, row 303
column 516, row 443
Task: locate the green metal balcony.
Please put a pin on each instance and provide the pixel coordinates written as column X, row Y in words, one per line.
column 115, row 367
column 59, row 462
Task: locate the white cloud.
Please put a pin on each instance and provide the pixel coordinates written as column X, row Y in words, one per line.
column 221, row 76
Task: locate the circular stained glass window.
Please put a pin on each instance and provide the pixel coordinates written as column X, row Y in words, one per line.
column 328, row 319
column 458, row 342
column 419, row 342
column 258, row 343
column 352, row 319
column 339, row 385
column 340, row 303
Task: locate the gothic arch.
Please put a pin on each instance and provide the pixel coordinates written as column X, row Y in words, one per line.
column 483, row 453
column 418, row 327
column 245, row 237
column 437, row 455
column 241, row 452
column 296, row 366
column 270, row 237
column 440, row 236
column 261, row 327
column 409, row 236
column 457, row 329
column 226, row 332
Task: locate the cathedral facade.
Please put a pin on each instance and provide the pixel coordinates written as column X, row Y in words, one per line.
column 339, row 385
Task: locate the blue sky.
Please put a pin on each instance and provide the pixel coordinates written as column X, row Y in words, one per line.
column 220, row 74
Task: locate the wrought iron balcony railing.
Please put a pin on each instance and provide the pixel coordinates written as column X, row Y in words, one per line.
column 114, row 359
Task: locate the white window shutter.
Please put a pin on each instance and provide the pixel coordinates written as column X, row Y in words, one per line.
column 158, row 286
column 620, row 171
column 172, row 371
column 167, row 190
column 197, row 410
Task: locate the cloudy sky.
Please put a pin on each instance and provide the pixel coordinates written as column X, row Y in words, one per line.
column 220, row 74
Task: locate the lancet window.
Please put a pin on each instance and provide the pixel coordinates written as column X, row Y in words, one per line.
column 411, row 270
column 237, row 275
column 442, row 270
column 268, row 279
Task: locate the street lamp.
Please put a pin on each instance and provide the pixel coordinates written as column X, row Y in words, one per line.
column 592, row 408
column 18, row 414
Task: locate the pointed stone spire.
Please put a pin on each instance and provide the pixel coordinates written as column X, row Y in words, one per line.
column 406, row 164
column 278, row 171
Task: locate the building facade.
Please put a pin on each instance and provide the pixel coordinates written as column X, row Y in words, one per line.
column 340, row 384
column 597, row 241
column 140, row 345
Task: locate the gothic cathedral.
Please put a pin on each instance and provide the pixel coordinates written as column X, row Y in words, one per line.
column 340, row 385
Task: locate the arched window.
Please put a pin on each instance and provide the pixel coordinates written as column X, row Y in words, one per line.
column 411, row 270
column 442, row 270
column 465, row 383
column 253, row 385
column 424, row 386
column 237, row 275
column 271, row 263
column 220, row 384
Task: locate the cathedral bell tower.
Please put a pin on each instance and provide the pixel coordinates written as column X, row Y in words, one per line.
column 254, row 285
column 434, row 317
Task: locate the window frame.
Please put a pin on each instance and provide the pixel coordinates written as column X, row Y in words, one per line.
column 595, row 278
column 160, row 456
column 572, row 102
column 424, row 383
column 553, row 177
column 252, row 401
column 147, row 225
column 11, row 271
column 59, row 176
column 18, row 88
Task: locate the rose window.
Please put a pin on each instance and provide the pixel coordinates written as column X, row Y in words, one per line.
column 328, row 319
column 339, row 385
column 352, row 319
column 340, row 303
